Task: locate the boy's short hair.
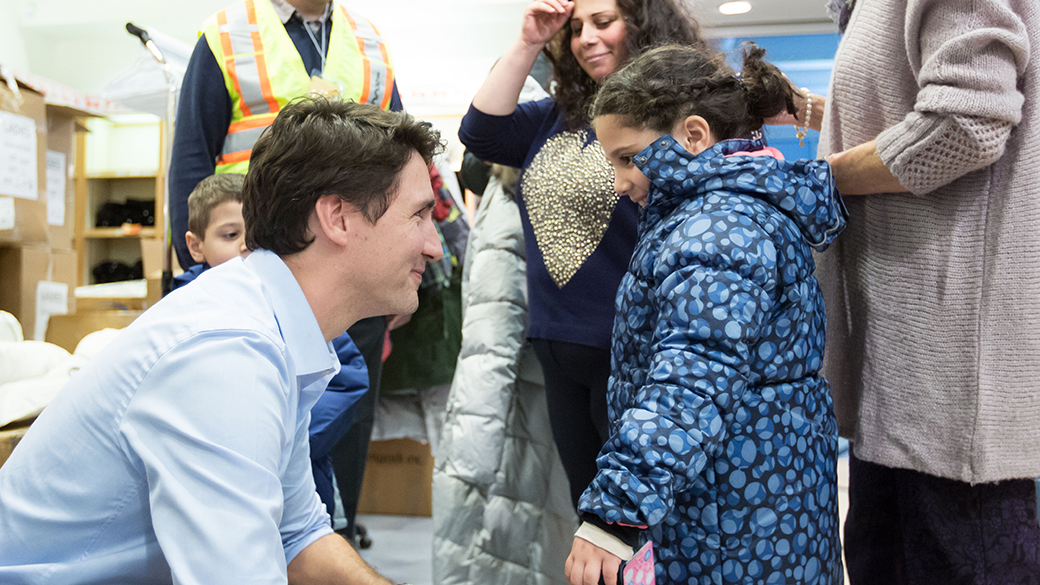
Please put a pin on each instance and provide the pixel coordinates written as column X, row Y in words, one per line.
column 317, row 147
column 209, row 193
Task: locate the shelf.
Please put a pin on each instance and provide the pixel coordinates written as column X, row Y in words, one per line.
column 104, row 233
column 123, row 175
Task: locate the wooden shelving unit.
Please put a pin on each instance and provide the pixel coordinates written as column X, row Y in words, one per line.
column 118, row 160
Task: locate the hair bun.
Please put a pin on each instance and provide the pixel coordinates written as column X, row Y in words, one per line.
column 769, row 91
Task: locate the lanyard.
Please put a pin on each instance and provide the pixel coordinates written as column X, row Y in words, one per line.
column 320, row 48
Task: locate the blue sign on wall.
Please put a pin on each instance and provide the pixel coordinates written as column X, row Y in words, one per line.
column 807, row 60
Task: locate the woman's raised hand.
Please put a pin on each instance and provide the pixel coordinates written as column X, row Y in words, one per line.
column 542, row 18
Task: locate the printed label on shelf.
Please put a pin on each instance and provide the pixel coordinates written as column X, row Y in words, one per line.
column 18, row 156
column 52, row 298
column 6, row 213
column 56, row 172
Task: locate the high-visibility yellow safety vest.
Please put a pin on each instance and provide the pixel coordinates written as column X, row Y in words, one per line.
column 263, row 70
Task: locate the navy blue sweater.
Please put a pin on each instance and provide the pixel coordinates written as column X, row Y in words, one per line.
column 203, row 117
column 582, row 310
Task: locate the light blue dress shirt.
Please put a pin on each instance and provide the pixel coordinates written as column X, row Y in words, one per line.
column 180, row 453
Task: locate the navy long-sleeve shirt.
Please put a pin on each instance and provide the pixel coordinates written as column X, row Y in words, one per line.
column 566, row 190
column 203, row 117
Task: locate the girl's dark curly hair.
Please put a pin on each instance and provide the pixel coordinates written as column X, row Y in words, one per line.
column 669, row 83
column 648, row 23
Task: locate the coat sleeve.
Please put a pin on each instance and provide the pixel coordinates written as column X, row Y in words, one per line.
column 333, row 414
column 968, row 56
column 716, row 273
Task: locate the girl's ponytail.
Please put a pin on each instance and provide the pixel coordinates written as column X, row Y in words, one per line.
column 768, row 91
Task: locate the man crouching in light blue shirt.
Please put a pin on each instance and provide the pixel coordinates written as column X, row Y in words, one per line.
column 180, row 453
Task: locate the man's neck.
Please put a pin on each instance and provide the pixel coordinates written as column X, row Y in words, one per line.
column 309, row 9
column 331, row 304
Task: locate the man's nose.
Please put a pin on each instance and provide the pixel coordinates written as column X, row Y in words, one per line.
column 432, row 246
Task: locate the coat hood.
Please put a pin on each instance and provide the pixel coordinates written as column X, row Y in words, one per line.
column 803, row 190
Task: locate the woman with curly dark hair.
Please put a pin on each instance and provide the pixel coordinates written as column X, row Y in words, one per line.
column 579, row 234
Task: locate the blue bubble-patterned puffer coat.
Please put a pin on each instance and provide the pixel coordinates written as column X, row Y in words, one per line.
column 724, row 441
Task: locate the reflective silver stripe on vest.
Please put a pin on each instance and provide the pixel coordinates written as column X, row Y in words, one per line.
column 242, row 140
column 377, row 75
column 241, row 32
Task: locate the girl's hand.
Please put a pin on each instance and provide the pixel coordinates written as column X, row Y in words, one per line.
column 587, row 562
column 542, row 18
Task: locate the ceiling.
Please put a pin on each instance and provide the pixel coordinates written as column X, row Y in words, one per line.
column 82, row 43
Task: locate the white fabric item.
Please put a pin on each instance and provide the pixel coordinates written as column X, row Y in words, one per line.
column 24, row 360
column 416, row 414
column 33, row 372
column 501, row 503
column 92, row 344
column 604, row 540
column 10, row 328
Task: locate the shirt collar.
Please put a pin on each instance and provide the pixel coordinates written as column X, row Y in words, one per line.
column 284, row 10
column 310, row 352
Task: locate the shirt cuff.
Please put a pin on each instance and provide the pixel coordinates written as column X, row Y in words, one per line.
column 604, row 540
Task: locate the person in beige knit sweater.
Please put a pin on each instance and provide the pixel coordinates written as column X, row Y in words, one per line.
column 933, row 291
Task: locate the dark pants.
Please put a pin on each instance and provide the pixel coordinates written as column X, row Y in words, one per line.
column 576, row 390
column 907, row 527
column 351, row 452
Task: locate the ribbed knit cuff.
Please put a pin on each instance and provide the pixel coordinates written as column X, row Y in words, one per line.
column 928, row 151
column 604, row 540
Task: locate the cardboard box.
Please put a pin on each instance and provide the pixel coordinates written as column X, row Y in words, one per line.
column 68, row 330
column 9, row 438
column 398, row 479
column 24, row 220
column 61, row 160
column 22, row 268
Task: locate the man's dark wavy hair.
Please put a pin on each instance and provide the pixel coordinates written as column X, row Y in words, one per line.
column 318, row 147
column 648, row 23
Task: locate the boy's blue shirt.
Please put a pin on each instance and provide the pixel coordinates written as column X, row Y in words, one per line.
column 723, row 439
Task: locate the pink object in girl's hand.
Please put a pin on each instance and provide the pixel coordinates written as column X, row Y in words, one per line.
column 640, row 570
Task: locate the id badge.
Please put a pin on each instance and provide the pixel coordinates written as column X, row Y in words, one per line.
column 322, row 87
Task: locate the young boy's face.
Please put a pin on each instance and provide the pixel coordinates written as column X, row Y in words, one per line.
column 225, row 236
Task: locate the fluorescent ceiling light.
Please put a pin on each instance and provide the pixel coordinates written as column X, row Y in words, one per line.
column 739, row 7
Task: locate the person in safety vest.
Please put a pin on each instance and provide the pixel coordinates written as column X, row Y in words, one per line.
column 252, row 58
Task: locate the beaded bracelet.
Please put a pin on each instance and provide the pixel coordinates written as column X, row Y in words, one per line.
column 802, row 131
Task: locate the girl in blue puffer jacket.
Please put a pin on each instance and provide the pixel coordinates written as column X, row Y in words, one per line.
column 723, row 446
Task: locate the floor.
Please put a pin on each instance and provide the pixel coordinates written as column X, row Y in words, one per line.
column 402, row 546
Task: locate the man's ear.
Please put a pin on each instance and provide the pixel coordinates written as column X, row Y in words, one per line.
column 694, row 134
column 194, row 247
column 336, row 218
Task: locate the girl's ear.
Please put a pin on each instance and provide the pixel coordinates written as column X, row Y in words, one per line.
column 694, row 134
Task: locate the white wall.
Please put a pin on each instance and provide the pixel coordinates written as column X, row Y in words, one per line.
column 12, row 46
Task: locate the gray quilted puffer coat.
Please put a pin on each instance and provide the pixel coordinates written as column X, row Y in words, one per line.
column 501, row 509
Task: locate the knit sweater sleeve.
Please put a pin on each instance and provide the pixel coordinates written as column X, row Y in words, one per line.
column 967, row 56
